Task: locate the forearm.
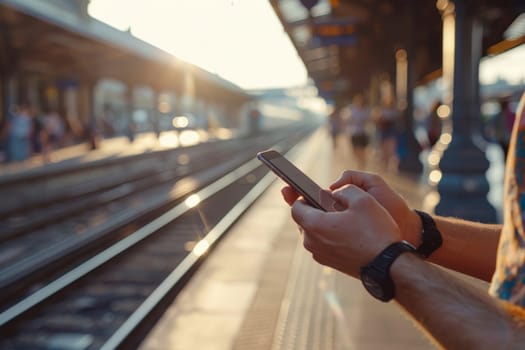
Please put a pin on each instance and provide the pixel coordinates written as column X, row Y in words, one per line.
column 468, row 247
column 456, row 314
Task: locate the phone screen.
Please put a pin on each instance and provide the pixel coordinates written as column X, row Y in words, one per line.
column 298, row 180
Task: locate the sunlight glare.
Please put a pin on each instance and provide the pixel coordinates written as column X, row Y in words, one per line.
column 446, row 138
column 180, row 121
column 168, row 139
column 433, row 158
column 192, row 201
column 443, row 111
column 430, row 201
column 201, row 247
column 223, row 133
column 435, row 176
column 242, row 41
column 189, row 137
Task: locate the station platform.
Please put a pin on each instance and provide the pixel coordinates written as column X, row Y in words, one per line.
column 107, row 148
column 260, row 289
column 81, row 153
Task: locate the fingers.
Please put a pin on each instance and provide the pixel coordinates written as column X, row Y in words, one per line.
column 289, row 195
column 306, row 216
column 362, row 212
column 361, row 179
column 329, row 202
column 350, row 196
column 346, row 240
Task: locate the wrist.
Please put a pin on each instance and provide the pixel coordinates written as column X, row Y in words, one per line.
column 403, row 266
column 406, row 273
column 414, row 228
column 376, row 275
column 431, row 238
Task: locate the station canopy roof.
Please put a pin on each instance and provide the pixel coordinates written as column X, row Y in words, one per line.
column 343, row 43
column 58, row 39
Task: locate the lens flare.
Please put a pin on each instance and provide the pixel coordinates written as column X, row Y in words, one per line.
column 192, row 201
column 435, row 176
column 180, row 121
column 433, row 158
column 201, row 247
column 446, row 138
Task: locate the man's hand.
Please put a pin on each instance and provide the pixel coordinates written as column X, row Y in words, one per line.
column 349, row 239
column 408, row 221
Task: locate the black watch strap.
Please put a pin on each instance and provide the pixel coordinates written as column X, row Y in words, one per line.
column 430, row 236
column 376, row 275
column 386, row 258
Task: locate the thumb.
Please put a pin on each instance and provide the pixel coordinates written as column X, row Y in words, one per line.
column 329, row 202
column 346, row 195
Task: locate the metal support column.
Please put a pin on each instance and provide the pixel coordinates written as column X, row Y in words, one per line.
column 463, row 186
column 409, row 161
column 86, row 101
column 154, row 113
column 130, row 108
column 88, row 120
column 8, row 66
column 5, row 96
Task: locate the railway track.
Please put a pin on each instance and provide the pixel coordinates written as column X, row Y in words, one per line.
column 67, row 230
column 107, row 183
column 102, row 296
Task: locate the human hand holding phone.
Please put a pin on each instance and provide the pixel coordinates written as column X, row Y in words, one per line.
column 300, row 184
column 290, row 196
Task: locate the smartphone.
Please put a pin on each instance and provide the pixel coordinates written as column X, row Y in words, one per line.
column 298, row 180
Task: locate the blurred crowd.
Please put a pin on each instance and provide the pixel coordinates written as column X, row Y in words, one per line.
column 380, row 130
column 26, row 132
column 368, row 128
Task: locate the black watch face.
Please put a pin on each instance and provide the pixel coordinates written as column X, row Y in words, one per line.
column 372, row 286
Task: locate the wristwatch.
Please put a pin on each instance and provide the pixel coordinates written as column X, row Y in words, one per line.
column 376, row 275
column 430, row 236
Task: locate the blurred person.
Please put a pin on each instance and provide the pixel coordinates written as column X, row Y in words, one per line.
column 91, row 133
column 19, row 130
column 357, row 119
column 108, row 130
column 434, row 124
column 37, row 132
column 73, row 129
column 131, row 130
column 107, row 121
column 54, row 129
column 254, row 121
column 334, row 124
column 505, row 121
column 387, row 119
column 155, row 125
column 4, row 131
column 392, row 248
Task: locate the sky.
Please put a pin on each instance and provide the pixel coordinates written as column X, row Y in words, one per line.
column 240, row 40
